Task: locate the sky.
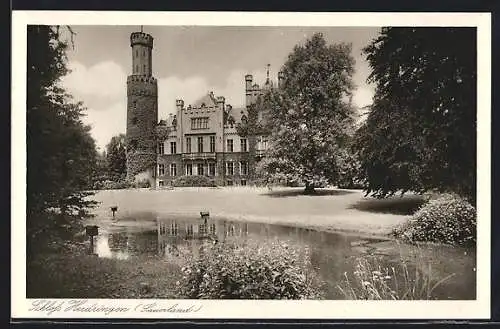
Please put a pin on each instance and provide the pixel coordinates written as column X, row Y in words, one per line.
column 188, row 62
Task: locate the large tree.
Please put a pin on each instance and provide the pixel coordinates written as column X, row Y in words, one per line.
column 310, row 115
column 421, row 131
column 61, row 154
column 116, row 158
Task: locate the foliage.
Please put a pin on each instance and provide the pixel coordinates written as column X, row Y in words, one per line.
column 447, row 219
column 350, row 173
column 310, row 116
column 116, row 158
column 254, row 271
column 195, row 180
column 420, row 133
column 372, row 281
column 61, row 154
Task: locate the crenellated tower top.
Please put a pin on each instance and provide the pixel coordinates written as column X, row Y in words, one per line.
column 142, row 48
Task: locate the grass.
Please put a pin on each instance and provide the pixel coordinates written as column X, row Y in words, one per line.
column 372, row 281
column 329, row 209
column 77, row 275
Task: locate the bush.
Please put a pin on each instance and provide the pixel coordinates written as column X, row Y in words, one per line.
column 193, row 181
column 447, row 219
column 270, row 271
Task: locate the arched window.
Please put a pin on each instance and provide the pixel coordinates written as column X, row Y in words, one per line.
column 244, row 119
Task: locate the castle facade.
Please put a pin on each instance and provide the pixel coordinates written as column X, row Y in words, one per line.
column 199, row 139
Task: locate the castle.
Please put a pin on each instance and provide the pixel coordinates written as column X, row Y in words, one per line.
column 200, row 139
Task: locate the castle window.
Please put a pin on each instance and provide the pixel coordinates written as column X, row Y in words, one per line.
column 174, row 229
column 212, row 144
column 189, row 230
column 244, row 119
column 188, row 144
column 173, row 148
column 211, row 169
column 144, row 68
column 200, row 169
column 229, row 168
column 161, row 169
column 243, row 168
column 200, row 144
column 173, row 169
column 199, row 123
column 229, row 145
column 243, row 144
column 161, row 148
column 243, row 182
column 189, row 169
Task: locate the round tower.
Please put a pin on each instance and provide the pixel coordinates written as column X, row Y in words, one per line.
column 142, row 109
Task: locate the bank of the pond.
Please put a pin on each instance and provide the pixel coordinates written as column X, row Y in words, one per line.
column 74, row 274
column 333, row 210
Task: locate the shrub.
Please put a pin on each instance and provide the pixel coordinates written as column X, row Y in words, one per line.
column 447, row 219
column 270, row 271
column 193, row 181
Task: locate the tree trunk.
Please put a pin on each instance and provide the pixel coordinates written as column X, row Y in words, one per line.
column 309, row 188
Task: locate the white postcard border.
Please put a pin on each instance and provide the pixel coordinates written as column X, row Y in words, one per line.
column 213, row 309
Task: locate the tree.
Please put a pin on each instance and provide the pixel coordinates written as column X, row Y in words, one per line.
column 116, row 158
column 310, row 116
column 420, row 133
column 61, row 153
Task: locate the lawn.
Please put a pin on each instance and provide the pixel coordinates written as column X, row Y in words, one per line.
column 329, row 209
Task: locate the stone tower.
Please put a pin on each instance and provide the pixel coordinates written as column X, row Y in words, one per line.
column 142, row 110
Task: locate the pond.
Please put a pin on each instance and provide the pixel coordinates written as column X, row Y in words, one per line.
column 332, row 254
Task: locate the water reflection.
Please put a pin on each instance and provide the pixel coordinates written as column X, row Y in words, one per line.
column 331, row 255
